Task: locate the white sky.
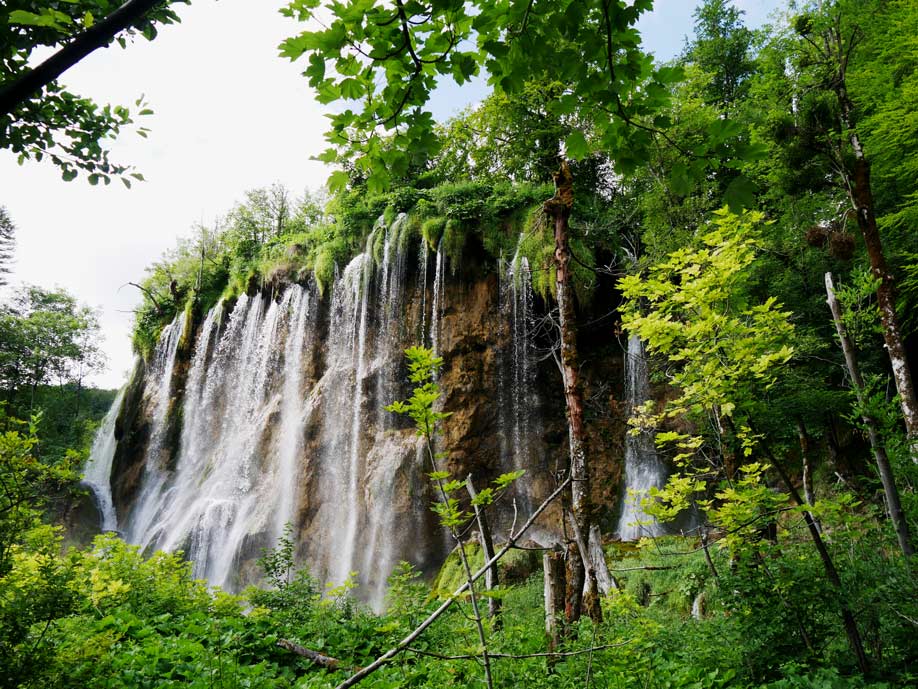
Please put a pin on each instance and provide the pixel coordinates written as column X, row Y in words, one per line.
column 230, row 115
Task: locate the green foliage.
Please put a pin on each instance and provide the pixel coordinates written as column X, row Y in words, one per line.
column 609, row 83
column 692, row 308
column 68, row 129
column 277, row 563
column 47, row 336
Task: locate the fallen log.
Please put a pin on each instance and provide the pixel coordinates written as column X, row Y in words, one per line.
column 317, row 658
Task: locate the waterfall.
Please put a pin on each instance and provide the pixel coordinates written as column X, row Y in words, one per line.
column 422, row 285
column 294, row 407
column 98, row 469
column 155, row 471
column 436, row 306
column 643, row 467
column 230, row 485
column 282, row 418
column 519, row 415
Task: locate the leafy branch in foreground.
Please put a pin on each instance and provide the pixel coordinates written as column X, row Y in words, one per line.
column 725, row 351
column 420, row 407
column 41, row 118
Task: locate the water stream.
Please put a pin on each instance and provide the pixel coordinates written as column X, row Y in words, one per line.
column 643, row 467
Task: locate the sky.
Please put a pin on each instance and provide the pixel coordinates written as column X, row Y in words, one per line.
column 229, row 115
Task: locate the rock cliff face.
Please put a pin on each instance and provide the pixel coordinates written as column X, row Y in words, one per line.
column 270, row 409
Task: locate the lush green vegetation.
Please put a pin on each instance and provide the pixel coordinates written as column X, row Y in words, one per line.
column 272, row 237
column 718, row 190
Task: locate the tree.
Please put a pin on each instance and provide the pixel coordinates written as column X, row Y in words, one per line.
column 7, row 244
column 722, row 48
column 389, row 59
column 38, row 116
column 591, row 47
column 726, row 351
column 829, row 36
column 46, row 334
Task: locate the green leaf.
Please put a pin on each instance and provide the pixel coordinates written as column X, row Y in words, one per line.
column 50, row 18
column 740, row 194
column 679, row 179
column 337, row 181
column 576, row 145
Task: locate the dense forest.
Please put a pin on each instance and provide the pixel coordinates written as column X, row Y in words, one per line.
column 730, row 234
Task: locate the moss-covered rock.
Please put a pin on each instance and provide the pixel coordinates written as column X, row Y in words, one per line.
column 513, row 568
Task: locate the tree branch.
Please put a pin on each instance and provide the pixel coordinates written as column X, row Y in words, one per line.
column 97, row 36
column 405, row 643
column 317, row 658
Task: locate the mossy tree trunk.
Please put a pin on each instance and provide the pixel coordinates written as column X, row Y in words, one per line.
column 558, row 208
column 836, row 53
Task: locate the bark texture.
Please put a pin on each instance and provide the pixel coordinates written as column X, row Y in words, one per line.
column 558, row 208
column 553, row 566
column 861, row 194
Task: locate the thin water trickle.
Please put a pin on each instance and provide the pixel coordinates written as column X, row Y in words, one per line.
column 519, row 412
column 436, row 304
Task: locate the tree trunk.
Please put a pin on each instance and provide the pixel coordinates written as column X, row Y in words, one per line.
column 805, row 460
column 553, row 567
column 604, row 579
column 876, row 444
column 590, row 597
column 317, row 658
column 487, row 544
column 861, row 194
column 558, row 208
column 848, row 620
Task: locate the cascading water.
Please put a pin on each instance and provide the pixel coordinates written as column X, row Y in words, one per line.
column 230, row 485
column 279, row 416
column 98, row 470
column 520, row 418
column 157, row 460
column 643, row 467
column 436, row 306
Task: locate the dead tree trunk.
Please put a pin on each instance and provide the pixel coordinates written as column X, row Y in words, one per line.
column 807, row 463
column 590, row 595
column 896, row 514
column 553, row 566
column 604, row 579
column 487, row 544
column 317, row 658
column 558, row 208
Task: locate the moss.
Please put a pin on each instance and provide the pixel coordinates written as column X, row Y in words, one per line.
column 407, row 229
column 324, row 268
column 389, row 215
column 454, row 213
column 376, row 244
column 514, row 567
column 453, row 241
column 432, row 231
column 188, row 327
